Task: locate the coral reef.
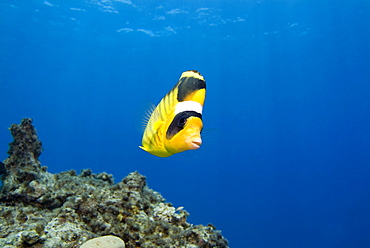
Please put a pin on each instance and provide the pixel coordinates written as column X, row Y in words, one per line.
column 40, row 209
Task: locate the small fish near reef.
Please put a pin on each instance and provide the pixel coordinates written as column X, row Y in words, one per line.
column 176, row 123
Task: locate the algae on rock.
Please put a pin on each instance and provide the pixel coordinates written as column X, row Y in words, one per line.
column 40, row 209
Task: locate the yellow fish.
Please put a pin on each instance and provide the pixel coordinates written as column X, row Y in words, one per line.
column 176, row 123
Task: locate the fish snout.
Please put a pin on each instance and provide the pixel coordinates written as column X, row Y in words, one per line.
column 196, row 143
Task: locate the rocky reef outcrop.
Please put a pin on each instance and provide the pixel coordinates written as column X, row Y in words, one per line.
column 40, row 209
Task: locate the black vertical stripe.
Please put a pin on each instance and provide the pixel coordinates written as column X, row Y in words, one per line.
column 188, row 85
column 176, row 126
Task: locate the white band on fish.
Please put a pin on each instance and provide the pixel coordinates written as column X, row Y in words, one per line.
column 188, row 106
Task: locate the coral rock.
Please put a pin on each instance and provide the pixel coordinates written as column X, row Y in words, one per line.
column 64, row 210
column 104, row 242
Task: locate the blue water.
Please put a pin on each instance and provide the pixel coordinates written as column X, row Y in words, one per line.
column 286, row 158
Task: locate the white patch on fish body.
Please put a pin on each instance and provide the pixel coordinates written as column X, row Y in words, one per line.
column 188, row 106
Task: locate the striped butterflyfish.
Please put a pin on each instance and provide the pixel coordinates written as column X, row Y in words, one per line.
column 176, row 122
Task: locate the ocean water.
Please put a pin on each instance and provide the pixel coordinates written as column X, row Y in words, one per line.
column 285, row 160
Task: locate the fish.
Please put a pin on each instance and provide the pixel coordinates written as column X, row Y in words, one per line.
column 175, row 124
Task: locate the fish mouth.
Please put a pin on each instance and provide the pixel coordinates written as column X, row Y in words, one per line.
column 196, row 143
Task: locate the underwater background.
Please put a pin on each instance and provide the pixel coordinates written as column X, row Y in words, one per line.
column 285, row 160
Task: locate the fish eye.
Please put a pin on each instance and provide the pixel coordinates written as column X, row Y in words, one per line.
column 179, row 121
column 182, row 121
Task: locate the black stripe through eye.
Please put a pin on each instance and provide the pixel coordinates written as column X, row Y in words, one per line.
column 179, row 122
column 182, row 121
